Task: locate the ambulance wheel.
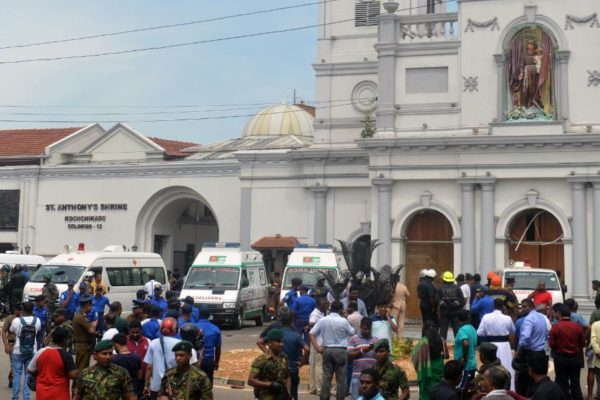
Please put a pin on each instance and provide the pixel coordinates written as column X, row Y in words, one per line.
column 239, row 320
column 259, row 320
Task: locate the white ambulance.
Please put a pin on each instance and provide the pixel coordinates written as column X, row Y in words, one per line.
column 13, row 258
column 527, row 278
column 308, row 262
column 123, row 272
column 232, row 283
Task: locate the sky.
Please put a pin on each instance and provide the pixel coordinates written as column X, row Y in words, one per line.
column 237, row 77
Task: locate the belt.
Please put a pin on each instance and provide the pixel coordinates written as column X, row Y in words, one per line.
column 494, row 339
column 334, row 347
column 82, row 341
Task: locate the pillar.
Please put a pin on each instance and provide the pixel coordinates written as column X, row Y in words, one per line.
column 500, row 89
column 320, row 204
column 563, row 84
column 388, row 36
column 384, row 221
column 596, row 186
column 488, row 222
column 245, row 218
column 580, row 267
column 468, row 227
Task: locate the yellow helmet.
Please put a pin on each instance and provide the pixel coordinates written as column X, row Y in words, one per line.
column 448, row 277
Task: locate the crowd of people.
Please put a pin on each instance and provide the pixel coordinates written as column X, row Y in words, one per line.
column 166, row 348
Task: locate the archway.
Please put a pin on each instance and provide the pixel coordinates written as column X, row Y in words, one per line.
column 536, row 236
column 174, row 223
column 428, row 245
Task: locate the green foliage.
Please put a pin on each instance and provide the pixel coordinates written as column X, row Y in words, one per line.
column 402, row 348
column 369, row 129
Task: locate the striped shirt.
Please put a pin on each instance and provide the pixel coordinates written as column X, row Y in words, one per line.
column 365, row 360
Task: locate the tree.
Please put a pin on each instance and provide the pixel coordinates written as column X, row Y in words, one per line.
column 369, row 129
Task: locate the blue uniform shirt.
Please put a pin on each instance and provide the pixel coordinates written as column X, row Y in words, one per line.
column 98, row 303
column 303, row 306
column 534, row 332
column 151, row 329
column 482, row 306
column 73, row 303
column 195, row 314
column 292, row 347
column 160, row 303
column 212, row 337
column 289, row 298
column 41, row 313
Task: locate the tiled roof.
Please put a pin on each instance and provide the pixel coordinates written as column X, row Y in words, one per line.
column 30, row 142
column 173, row 148
column 275, row 242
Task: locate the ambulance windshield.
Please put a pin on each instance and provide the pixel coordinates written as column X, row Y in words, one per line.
column 212, row 278
column 59, row 273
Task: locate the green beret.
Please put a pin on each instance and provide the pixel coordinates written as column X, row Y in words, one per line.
column 382, row 343
column 103, row 345
column 488, row 349
column 184, row 345
column 275, row 335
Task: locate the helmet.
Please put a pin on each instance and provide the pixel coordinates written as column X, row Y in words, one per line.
column 491, row 274
column 168, row 327
column 422, row 273
column 6, row 268
column 192, row 334
column 448, row 277
column 496, row 280
column 431, row 273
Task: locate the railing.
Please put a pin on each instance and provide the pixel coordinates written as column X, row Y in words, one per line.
column 429, row 27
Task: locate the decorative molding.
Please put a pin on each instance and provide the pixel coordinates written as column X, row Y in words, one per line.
column 364, row 96
column 403, row 219
column 426, row 199
column 485, row 24
column 594, row 78
column 530, row 11
column 592, row 19
column 532, row 198
column 471, row 83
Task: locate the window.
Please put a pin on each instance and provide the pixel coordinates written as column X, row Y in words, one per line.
column 427, row 80
column 366, row 13
column 134, row 276
column 9, row 210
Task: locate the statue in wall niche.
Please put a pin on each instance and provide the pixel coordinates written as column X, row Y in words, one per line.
column 529, row 59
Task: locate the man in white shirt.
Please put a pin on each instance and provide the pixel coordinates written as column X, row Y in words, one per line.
column 316, row 359
column 23, row 351
column 465, row 288
column 149, row 286
column 160, row 354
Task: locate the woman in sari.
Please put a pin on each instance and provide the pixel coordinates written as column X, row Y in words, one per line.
column 428, row 359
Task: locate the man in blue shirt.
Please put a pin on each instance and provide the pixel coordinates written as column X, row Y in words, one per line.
column 303, row 306
column 212, row 343
column 195, row 313
column 295, row 349
column 157, row 300
column 99, row 302
column 69, row 299
column 292, row 295
column 353, row 296
column 41, row 312
column 151, row 327
column 483, row 304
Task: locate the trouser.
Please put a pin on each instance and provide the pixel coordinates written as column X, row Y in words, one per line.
column 398, row 314
column 100, row 326
column 428, row 314
column 354, row 387
column 70, row 315
column 208, row 366
column 446, row 319
column 83, row 353
column 295, row 382
column 597, row 374
column 19, row 366
column 16, row 297
column 316, row 371
column 568, row 371
column 348, row 375
column 11, row 346
column 335, row 360
column 523, row 382
column 300, row 324
column 39, row 338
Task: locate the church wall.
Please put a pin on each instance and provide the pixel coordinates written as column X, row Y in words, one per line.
column 351, row 208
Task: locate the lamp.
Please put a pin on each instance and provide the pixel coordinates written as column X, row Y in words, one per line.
column 134, row 248
column 27, row 249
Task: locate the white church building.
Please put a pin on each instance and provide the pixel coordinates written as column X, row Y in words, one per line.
column 485, row 149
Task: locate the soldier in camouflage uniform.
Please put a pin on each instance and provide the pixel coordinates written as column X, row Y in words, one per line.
column 50, row 292
column 488, row 358
column 104, row 380
column 391, row 377
column 59, row 319
column 269, row 372
column 9, row 339
column 185, row 382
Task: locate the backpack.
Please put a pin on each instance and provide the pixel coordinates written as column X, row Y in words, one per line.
column 27, row 336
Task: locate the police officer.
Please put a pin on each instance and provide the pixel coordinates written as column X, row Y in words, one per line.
column 59, row 320
column 185, row 381
column 104, row 380
column 4, row 293
column 450, row 300
column 269, row 372
column 50, row 292
column 84, row 333
column 16, row 285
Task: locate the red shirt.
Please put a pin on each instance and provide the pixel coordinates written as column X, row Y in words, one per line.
column 567, row 337
column 542, row 298
column 140, row 348
column 52, row 366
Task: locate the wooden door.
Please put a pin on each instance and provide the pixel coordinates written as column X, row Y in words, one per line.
column 428, row 245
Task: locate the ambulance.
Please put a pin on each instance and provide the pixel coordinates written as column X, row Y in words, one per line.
column 13, row 258
column 231, row 282
column 308, row 262
column 527, row 278
column 123, row 272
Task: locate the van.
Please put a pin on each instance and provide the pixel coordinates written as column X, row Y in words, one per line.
column 123, row 272
column 13, row 258
column 232, row 283
column 526, row 280
column 308, row 262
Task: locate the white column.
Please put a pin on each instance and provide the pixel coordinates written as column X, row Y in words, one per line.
column 596, row 186
column 388, row 36
column 500, row 86
column 563, row 84
column 468, row 227
column 580, row 260
column 320, row 223
column 245, row 218
column 384, row 221
column 488, row 222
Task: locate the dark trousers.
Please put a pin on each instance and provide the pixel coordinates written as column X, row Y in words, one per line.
column 70, row 315
column 523, row 382
column 100, row 326
column 208, row 366
column 448, row 319
column 475, row 320
column 295, row 382
column 427, row 314
column 335, row 360
column 568, row 371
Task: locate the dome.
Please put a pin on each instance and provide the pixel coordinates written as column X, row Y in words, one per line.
column 280, row 120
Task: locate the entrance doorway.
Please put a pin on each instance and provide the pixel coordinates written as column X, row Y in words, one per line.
column 428, row 245
column 535, row 235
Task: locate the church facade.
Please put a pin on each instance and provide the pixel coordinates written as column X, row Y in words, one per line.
column 484, row 150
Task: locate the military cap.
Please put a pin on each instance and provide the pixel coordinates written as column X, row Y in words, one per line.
column 60, row 311
column 85, row 299
column 103, row 345
column 188, row 300
column 488, row 349
column 40, row 297
column 596, row 282
column 71, row 282
column 83, row 285
column 275, row 335
column 137, row 303
column 382, row 344
column 172, row 313
column 184, row 345
column 187, row 308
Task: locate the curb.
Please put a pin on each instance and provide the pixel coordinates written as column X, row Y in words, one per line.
column 237, row 382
